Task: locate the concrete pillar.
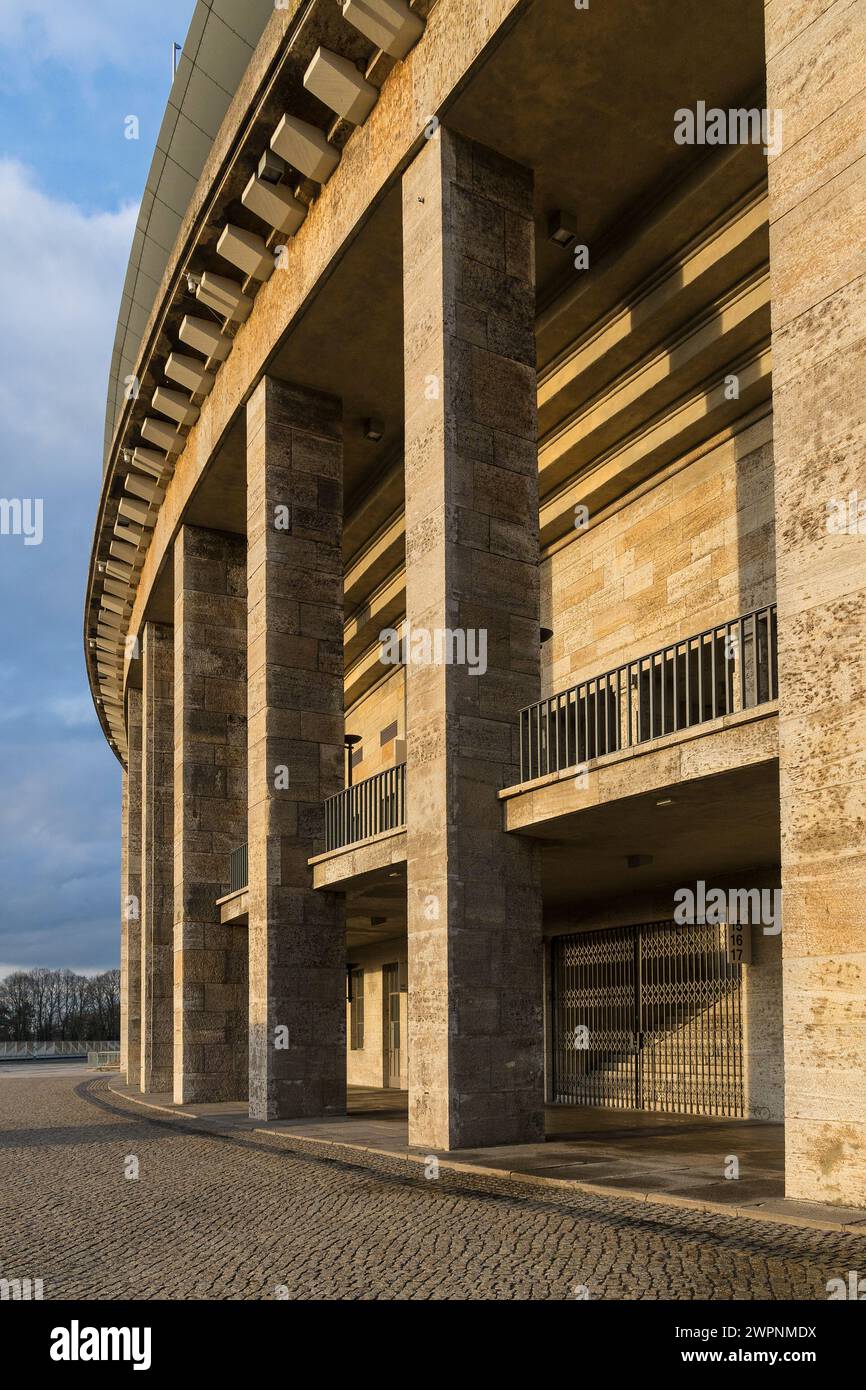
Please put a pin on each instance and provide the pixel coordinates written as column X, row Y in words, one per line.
column 157, row 857
column 295, row 710
column 817, row 185
column 210, row 813
column 130, row 897
column 124, row 930
column 474, row 899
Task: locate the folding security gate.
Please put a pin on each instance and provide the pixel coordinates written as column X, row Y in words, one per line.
column 648, row 1018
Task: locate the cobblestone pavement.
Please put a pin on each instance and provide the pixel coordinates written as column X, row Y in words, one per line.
column 238, row 1215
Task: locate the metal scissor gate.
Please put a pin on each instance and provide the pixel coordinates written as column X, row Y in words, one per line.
column 649, row 1018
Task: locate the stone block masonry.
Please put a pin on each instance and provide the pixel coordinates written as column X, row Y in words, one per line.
column 817, row 188
column 157, row 857
column 130, row 898
column 474, row 894
column 210, row 813
column 297, row 942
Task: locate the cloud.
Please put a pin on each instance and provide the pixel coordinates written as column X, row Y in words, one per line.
column 59, row 823
column 61, row 275
column 72, row 711
column 69, row 191
column 85, row 36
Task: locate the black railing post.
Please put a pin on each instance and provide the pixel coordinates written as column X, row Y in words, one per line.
column 546, row 728
column 366, row 808
column 239, row 875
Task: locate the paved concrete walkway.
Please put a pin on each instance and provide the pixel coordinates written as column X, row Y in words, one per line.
column 680, row 1160
column 101, row 1197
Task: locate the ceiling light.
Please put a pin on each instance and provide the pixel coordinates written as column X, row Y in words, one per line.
column 637, row 861
column 562, row 227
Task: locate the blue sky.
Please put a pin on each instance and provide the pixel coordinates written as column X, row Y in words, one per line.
column 70, row 184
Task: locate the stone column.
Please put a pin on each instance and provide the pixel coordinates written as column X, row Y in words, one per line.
column 124, row 928
column 130, row 898
column 157, row 857
column 295, row 710
column 210, row 813
column 474, row 898
column 816, row 80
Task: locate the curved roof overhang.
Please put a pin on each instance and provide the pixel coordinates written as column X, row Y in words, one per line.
column 370, row 150
column 216, row 53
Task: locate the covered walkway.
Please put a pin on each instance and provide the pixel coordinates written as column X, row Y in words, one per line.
column 635, row 1152
column 631, row 1150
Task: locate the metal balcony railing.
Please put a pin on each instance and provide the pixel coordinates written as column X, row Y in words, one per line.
column 722, row 670
column 239, row 869
column 367, row 808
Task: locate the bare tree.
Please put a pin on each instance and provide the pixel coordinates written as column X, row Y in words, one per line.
column 18, row 1004
column 50, row 1005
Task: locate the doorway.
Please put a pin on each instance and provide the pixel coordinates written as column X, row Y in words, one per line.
column 391, row 1025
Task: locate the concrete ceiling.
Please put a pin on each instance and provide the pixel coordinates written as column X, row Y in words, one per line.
column 376, row 906
column 569, row 92
column 715, row 825
column 587, row 99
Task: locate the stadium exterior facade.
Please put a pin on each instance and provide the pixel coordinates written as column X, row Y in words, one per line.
column 476, row 603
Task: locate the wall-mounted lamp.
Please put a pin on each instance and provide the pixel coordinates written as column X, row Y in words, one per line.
column 350, row 740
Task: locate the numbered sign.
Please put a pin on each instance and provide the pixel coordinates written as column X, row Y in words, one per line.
column 738, row 939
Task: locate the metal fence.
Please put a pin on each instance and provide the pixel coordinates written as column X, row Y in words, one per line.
column 239, row 869
column 648, row 1018
column 725, row 669
column 104, row 1059
column 22, row 1051
column 366, row 808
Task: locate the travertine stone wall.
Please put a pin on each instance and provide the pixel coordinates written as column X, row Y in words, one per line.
column 210, row 813
column 366, row 1066
column 376, row 712
column 124, row 931
column 130, row 898
column 157, row 857
column 763, row 1033
column 694, row 547
column 816, row 76
column 474, row 899
column 295, row 707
